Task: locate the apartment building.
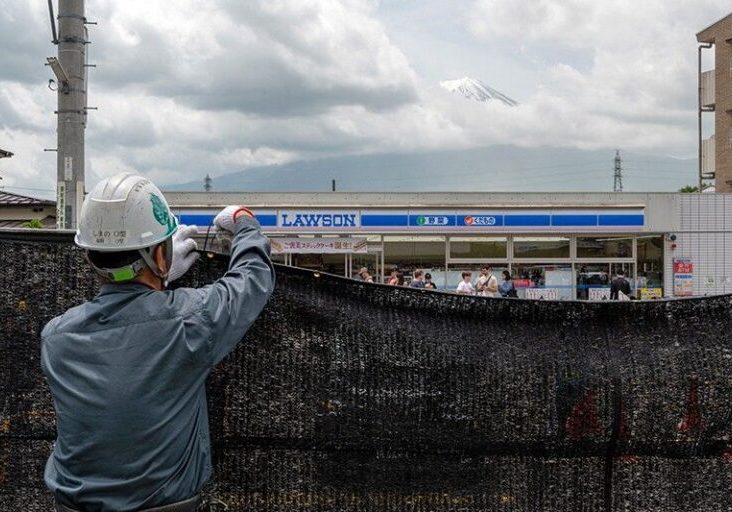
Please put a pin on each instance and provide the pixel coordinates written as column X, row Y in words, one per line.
column 715, row 97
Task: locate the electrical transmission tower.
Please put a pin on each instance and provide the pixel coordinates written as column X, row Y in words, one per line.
column 618, row 176
column 207, row 183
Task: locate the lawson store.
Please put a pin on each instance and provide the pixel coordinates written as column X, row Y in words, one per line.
column 556, row 246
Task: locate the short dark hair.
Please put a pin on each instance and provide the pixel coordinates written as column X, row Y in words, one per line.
column 113, row 259
column 466, row 274
column 428, row 276
column 621, row 272
column 417, row 273
column 507, row 275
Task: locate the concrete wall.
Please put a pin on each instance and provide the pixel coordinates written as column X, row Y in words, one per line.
column 26, row 212
column 705, row 238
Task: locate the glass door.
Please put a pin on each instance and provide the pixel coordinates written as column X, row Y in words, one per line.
column 593, row 281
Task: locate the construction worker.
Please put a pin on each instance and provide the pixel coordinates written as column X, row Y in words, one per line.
column 127, row 369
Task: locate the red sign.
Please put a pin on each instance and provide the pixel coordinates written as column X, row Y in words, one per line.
column 522, row 283
column 683, row 267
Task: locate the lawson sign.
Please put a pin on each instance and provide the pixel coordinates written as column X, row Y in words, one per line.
column 302, row 219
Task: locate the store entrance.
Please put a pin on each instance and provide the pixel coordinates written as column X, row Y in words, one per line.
column 594, row 279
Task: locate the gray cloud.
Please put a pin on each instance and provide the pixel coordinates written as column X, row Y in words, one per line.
column 299, row 59
column 187, row 88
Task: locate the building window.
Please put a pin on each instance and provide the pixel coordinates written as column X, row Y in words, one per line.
column 546, row 247
column 604, row 247
column 549, row 281
column 409, row 253
column 478, row 248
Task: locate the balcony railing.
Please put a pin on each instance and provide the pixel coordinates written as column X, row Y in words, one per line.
column 708, row 89
column 708, row 161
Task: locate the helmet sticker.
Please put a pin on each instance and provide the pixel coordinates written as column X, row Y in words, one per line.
column 159, row 210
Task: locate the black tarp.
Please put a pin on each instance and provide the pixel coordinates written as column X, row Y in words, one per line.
column 361, row 397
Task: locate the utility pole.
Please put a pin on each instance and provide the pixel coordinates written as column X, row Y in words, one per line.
column 70, row 70
column 207, row 183
column 618, row 185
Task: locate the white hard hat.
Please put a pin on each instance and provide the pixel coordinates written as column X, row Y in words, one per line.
column 125, row 213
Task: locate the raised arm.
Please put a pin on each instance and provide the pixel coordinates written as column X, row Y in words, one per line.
column 233, row 302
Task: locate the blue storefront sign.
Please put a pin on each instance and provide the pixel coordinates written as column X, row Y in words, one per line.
column 376, row 221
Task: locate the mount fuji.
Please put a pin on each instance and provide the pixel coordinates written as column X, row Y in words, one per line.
column 476, row 90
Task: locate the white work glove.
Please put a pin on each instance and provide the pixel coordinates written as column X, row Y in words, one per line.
column 184, row 251
column 225, row 219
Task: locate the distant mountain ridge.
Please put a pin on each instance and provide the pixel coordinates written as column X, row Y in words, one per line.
column 492, row 169
column 474, row 89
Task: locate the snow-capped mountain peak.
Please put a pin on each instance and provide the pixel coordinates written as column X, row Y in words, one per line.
column 476, row 90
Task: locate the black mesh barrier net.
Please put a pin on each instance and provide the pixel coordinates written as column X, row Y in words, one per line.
column 359, row 397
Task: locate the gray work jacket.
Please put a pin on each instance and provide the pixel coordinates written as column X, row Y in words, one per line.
column 127, row 372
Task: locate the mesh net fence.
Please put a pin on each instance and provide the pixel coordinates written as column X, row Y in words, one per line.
column 358, row 397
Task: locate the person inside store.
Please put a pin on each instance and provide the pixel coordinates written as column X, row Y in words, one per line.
column 127, row 370
column 365, row 275
column 428, row 283
column 507, row 289
column 417, row 280
column 394, row 277
column 620, row 287
column 487, row 284
column 465, row 287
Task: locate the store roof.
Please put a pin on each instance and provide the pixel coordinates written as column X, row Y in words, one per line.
column 11, row 199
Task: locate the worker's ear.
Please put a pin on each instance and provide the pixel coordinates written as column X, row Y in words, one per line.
column 159, row 257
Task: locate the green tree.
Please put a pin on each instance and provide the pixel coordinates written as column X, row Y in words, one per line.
column 688, row 189
column 33, row 224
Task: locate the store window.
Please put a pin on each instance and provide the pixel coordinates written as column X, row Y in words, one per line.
column 548, row 281
column 649, row 281
column 409, row 253
column 546, row 247
column 371, row 259
column 593, row 281
column 478, row 248
column 455, row 273
column 331, row 263
column 604, row 247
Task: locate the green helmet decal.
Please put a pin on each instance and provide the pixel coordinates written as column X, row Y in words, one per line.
column 162, row 214
column 159, row 210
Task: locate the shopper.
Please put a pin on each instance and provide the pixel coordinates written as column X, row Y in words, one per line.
column 417, row 280
column 465, row 287
column 428, row 282
column 393, row 278
column 487, row 284
column 620, row 287
column 507, row 289
column 365, row 275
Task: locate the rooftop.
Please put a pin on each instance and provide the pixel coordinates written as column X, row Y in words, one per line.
column 11, row 199
column 709, row 34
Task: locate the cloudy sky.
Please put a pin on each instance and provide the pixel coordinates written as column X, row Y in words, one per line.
column 190, row 87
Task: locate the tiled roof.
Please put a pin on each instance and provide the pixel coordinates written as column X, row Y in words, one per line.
column 10, row 199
